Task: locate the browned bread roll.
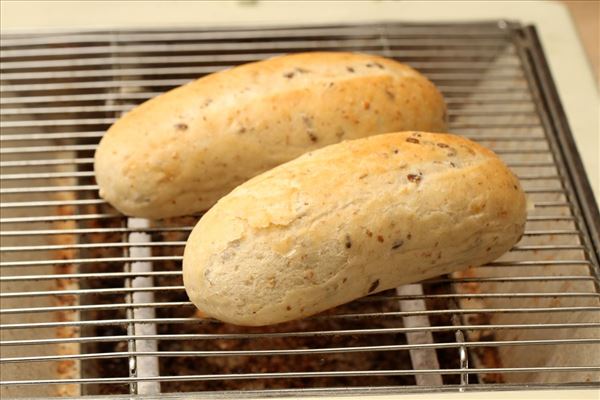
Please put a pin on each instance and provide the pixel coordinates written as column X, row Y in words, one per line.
column 180, row 152
column 348, row 220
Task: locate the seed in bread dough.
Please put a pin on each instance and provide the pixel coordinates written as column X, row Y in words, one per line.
column 416, row 178
column 374, row 285
column 397, row 244
column 348, row 242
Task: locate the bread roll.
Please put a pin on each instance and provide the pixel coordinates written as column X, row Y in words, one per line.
column 180, row 152
column 348, row 220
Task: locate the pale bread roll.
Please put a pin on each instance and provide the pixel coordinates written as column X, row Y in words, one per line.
column 348, row 220
column 180, row 152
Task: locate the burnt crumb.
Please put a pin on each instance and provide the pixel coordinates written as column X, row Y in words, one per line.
column 363, row 176
column 488, row 249
column 415, row 178
column 380, row 238
column 369, row 233
column 452, row 164
column 374, row 285
column 241, row 130
column 330, row 84
column 348, row 242
column 390, row 94
column 413, row 140
column 340, row 132
column 395, row 151
column 181, row 127
column 350, row 69
column 515, row 187
column 344, row 280
column 313, row 138
column 289, row 75
column 442, row 145
column 288, row 308
column 451, row 152
column 207, row 102
column 397, row 244
column 409, row 236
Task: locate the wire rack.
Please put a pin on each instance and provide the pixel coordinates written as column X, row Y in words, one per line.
column 93, row 303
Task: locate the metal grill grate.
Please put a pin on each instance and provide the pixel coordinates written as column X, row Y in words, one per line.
column 92, row 301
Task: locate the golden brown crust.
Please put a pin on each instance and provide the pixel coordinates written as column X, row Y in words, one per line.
column 181, row 151
column 351, row 219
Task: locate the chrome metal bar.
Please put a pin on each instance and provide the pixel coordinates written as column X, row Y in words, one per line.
column 55, row 218
column 46, row 175
column 446, row 34
column 313, row 374
column 332, row 350
column 522, row 98
column 89, row 260
column 146, row 363
column 369, row 299
column 26, row 113
column 112, row 84
column 334, row 316
column 47, row 136
column 343, row 332
column 33, row 263
column 91, row 245
column 48, row 203
column 420, row 359
column 47, row 149
column 89, row 291
column 85, row 231
column 371, row 44
column 182, row 243
column 32, row 163
column 202, row 69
